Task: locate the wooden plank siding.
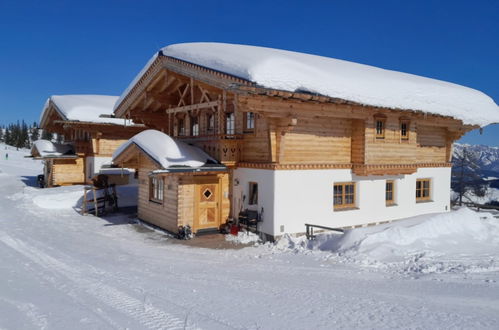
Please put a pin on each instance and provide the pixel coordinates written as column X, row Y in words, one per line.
column 164, row 214
column 67, row 172
column 319, row 141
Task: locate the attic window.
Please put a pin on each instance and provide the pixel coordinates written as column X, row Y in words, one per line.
column 249, row 121
column 380, row 127
column 404, row 129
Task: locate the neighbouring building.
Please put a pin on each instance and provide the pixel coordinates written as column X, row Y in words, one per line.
column 89, row 133
column 302, row 138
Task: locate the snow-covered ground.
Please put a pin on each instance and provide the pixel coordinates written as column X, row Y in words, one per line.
column 60, row 270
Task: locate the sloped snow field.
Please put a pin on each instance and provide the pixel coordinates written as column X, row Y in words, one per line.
column 60, row 270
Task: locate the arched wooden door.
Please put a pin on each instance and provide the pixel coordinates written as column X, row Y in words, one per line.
column 207, row 203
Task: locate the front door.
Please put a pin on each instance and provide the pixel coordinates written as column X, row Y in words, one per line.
column 207, row 202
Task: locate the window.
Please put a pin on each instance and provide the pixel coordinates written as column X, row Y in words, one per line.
column 404, row 130
column 423, row 190
column 253, row 193
column 156, row 189
column 180, row 127
column 389, row 192
column 229, row 123
column 380, row 128
column 211, row 123
column 344, row 195
column 249, row 121
column 194, row 126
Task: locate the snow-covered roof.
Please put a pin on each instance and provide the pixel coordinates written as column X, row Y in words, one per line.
column 46, row 149
column 364, row 84
column 84, row 108
column 166, row 151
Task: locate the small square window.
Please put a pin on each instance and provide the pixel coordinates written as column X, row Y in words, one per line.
column 344, row 195
column 423, row 191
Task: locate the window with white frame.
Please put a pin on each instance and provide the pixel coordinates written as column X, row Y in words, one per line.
column 156, row 186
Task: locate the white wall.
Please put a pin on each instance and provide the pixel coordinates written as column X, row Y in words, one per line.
column 265, row 180
column 306, row 196
column 94, row 164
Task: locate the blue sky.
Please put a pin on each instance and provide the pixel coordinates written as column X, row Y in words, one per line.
column 97, row 47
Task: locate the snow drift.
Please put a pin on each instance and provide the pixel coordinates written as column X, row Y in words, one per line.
column 364, row 84
column 463, row 240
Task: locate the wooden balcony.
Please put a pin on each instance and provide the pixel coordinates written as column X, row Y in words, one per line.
column 224, row 148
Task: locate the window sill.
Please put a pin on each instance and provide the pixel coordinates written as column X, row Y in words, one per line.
column 341, row 209
column 391, row 205
column 155, row 202
column 425, row 201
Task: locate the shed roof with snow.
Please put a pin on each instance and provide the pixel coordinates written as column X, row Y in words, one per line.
column 168, row 153
column 49, row 149
column 362, row 84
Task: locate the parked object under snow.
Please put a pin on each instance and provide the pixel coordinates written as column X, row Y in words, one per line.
column 363, row 84
column 166, row 151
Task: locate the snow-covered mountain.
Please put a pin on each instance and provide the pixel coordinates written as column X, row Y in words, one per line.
column 488, row 157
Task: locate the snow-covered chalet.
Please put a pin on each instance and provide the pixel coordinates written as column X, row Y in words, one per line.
column 90, row 136
column 292, row 137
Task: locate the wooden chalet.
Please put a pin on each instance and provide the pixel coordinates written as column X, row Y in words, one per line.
column 86, row 125
column 295, row 157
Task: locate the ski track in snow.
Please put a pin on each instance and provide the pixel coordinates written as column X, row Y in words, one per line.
column 146, row 315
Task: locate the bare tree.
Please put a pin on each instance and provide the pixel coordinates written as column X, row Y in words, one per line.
column 466, row 175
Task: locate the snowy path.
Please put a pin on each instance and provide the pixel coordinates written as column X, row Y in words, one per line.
column 59, row 270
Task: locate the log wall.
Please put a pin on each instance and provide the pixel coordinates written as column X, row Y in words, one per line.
column 67, row 172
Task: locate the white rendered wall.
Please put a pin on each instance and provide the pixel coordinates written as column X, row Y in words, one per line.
column 94, row 165
column 265, row 180
column 306, row 196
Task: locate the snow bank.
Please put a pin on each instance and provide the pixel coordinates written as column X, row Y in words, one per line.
column 165, row 150
column 87, row 108
column 457, row 241
column 71, row 197
column 364, row 84
column 47, row 148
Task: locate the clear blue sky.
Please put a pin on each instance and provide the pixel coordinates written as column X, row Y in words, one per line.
column 68, row 47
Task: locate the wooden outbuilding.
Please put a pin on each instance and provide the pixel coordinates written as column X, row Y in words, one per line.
column 179, row 185
column 306, row 139
column 86, row 124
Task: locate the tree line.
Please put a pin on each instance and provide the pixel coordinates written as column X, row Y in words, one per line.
column 22, row 135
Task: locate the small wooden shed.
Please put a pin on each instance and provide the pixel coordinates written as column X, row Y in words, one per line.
column 179, row 184
column 62, row 165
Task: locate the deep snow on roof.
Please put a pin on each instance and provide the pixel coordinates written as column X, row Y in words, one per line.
column 47, row 148
column 166, row 151
column 364, row 84
column 85, row 108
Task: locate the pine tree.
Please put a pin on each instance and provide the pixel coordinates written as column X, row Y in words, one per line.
column 1, row 133
column 46, row 135
column 35, row 135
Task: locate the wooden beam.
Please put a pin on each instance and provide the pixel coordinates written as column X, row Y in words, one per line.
column 193, row 107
